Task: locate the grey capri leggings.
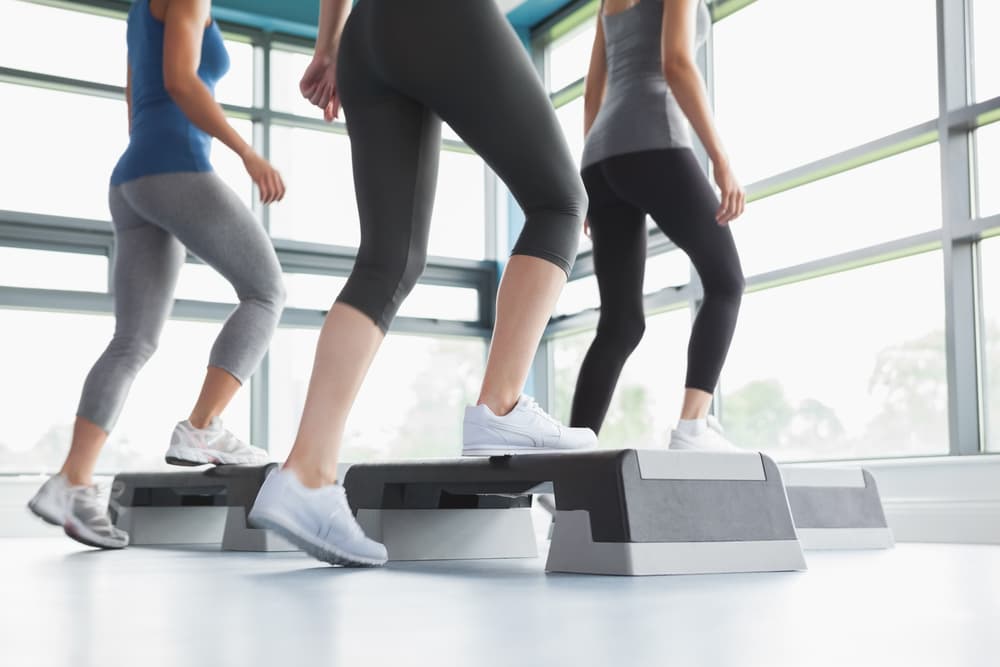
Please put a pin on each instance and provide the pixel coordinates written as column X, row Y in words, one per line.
column 155, row 218
column 403, row 67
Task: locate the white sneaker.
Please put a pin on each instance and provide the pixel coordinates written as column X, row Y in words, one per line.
column 527, row 429
column 711, row 439
column 318, row 521
column 87, row 520
column 190, row 446
column 50, row 501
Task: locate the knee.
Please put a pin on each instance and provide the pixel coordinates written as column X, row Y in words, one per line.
column 270, row 292
column 728, row 285
column 623, row 333
column 132, row 350
column 410, row 271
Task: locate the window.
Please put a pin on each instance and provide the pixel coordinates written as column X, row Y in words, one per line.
column 988, row 169
column 570, row 117
column 668, row 269
column 163, row 393
column 66, row 173
column 647, row 400
column 567, row 60
column 320, row 204
column 787, row 91
column 410, row 405
column 879, row 202
column 990, row 274
column 986, row 49
column 458, row 225
column 45, row 269
column 200, row 282
column 844, row 366
column 287, row 68
column 61, row 42
column 236, row 87
column 578, row 295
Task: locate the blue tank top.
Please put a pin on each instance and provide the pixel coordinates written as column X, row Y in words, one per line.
column 163, row 140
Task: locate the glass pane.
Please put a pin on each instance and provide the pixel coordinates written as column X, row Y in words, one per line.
column 229, row 166
column 669, row 269
column 44, row 269
column 312, row 291
column 568, row 59
column 320, row 205
column 442, row 303
column 850, row 365
column 73, row 44
column 990, row 272
column 647, row 399
column 83, row 138
column 579, row 294
column 427, row 381
column 986, row 54
column 571, row 119
column 287, row 68
column 236, row 87
column 200, row 282
column 163, row 393
column 988, row 168
column 879, row 202
column 458, row 225
column 788, row 92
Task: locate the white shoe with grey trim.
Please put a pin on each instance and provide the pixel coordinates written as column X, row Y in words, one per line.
column 50, row 501
column 527, row 429
column 707, row 437
column 214, row 444
column 87, row 520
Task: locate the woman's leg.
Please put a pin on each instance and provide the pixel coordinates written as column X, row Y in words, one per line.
column 146, row 265
column 214, row 224
column 618, row 231
column 672, row 187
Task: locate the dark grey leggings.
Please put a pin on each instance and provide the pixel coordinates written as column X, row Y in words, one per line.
column 155, row 218
column 669, row 185
column 405, row 65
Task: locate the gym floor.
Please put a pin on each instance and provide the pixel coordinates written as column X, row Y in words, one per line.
column 64, row 605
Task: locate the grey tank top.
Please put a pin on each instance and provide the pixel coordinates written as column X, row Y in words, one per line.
column 639, row 111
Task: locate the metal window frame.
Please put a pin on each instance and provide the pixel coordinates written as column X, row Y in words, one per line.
column 957, row 238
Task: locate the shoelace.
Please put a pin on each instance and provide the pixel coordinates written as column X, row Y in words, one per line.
column 532, row 405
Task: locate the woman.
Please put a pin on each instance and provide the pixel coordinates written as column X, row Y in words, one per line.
column 642, row 89
column 165, row 199
column 400, row 67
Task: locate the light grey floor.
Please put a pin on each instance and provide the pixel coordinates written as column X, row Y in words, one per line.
column 64, row 605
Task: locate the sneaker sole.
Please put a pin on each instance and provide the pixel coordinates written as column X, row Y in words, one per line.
column 41, row 514
column 74, row 532
column 493, row 450
column 187, row 457
column 317, row 550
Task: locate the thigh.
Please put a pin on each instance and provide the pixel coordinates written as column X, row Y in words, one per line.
column 147, row 263
column 618, row 233
column 212, row 222
column 670, row 185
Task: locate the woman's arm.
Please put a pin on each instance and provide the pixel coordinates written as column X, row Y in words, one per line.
column 319, row 83
column 686, row 83
column 182, row 37
column 597, row 77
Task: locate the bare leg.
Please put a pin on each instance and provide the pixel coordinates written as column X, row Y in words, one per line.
column 696, row 404
column 88, row 439
column 527, row 296
column 348, row 342
column 216, row 393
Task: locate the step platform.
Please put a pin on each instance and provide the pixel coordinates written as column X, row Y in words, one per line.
column 836, row 508
column 203, row 506
column 625, row 512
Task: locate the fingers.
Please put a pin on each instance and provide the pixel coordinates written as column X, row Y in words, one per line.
column 271, row 187
column 731, row 206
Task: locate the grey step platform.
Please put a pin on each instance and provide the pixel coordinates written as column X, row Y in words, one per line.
column 202, row 506
column 628, row 512
column 836, row 508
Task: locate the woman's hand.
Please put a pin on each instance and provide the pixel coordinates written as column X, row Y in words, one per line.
column 732, row 198
column 265, row 177
column 319, row 85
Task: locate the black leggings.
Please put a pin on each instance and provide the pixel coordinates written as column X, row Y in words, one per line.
column 404, row 66
column 669, row 185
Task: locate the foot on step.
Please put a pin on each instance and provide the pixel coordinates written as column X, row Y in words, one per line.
column 87, row 520
column 526, row 429
column 704, row 435
column 214, row 444
column 318, row 521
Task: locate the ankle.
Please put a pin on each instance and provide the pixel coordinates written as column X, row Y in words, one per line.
column 499, row 405
column 76, row 477
column 200, row 421
column 311, row 476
